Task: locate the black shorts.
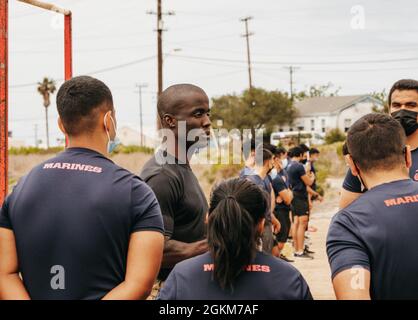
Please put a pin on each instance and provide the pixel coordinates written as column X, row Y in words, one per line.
column 300, row 205
column 282, row 214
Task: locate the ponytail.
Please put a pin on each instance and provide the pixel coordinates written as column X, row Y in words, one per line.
column 236, row 208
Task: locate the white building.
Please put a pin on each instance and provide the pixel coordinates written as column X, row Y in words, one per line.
column 321, row 114
column 131, row 137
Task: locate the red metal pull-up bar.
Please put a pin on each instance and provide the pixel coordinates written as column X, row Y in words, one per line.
column 68, row 71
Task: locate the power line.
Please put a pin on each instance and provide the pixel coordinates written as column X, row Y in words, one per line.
column 291, row 71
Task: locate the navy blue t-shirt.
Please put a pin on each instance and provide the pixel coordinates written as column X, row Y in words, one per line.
column 279, row 185
column 265, row 185
column 296, row 171
column 352, row 183
column 77, row 212
column 378, row 231
column 267, row 278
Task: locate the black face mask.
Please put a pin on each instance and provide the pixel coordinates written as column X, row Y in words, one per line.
column 304, row 161
column 408, row 120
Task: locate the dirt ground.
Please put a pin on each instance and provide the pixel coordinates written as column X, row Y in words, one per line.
column 316, row 272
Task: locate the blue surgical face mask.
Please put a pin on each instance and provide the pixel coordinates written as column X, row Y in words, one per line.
column 111, row 144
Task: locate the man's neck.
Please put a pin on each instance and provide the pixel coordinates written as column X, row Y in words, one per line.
column 260, row 171
column 180, row 155
column 87, row 143
column 383, row 176
column 412, row 140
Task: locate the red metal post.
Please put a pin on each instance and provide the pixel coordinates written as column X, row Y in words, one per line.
column 4, row 133
column 68, row 50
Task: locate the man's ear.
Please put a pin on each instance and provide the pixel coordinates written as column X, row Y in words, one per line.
column 107, row 121
column 61, row 126
column 350, row 163
column 408, row 156
column 169, row 121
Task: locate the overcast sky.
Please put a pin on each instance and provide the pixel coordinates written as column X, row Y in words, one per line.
column 360, row 46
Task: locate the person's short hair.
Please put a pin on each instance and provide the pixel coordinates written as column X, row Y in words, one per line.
column 280, row 150
column 364, row 142
column 245, row 150
column 77, row 102
column 345, row 149
column 403, row 84
column 304, row 147
column 265, row 153
column 270, row 147
column 313, row 151
column 296, row 152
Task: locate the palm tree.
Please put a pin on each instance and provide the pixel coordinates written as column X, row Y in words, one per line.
column 46, row 88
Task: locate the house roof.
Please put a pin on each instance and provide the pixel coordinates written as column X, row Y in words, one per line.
column 325, row 105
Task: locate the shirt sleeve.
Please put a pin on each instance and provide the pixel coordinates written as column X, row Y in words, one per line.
column 4, row 215
column 352, row 183
column 145, row 208
column 300, row 171
column 167, row 189
column 278, row 185
column 345, row 248
column 169, row 289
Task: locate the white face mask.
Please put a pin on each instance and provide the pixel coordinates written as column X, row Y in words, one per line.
column 285, row 162
column 273, row 173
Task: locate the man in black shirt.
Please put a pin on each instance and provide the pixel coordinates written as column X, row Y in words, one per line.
column 78, row 226
column 182, row 109
column 403, row 104
column 371, row 243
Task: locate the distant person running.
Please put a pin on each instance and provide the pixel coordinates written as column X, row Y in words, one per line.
column 168, row 173
column 371, row 243
column 78, row 226
column 403, row 107
column 234, row 268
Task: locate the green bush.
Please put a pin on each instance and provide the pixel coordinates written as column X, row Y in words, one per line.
column 334, row 135
column 34, row 150
column 133, row 149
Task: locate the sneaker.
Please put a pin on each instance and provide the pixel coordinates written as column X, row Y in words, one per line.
column 283, row 257
column 308, row 251
column 303, row 256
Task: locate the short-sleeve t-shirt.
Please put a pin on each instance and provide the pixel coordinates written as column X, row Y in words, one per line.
column 181, row 198
column 296, row 171
column 76, row 212
column 352, row 183
column 278, row 186
column 267, row 278
column 378, row 231
column 265, row 185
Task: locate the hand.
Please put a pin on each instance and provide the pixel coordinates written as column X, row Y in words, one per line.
column 320, row 198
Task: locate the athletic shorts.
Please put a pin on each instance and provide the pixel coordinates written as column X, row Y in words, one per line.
column 282, row 214
column 300, row 205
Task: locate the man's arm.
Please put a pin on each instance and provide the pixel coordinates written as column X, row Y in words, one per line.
column 143, row 264
column 176, row 251
column 11, row 285
column 308, row 179
column 287, row 196
column 352, row 284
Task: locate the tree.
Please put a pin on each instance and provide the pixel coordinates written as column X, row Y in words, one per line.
column 253, row 109
column 334, row 135
column 383, row 98
column 318, row 91
column 46, row 88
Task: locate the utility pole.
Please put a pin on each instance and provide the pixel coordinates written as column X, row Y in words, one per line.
column 160, row 30
column 140, row 86
column 36, row 136
column 291, row 71
column 247, row 36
